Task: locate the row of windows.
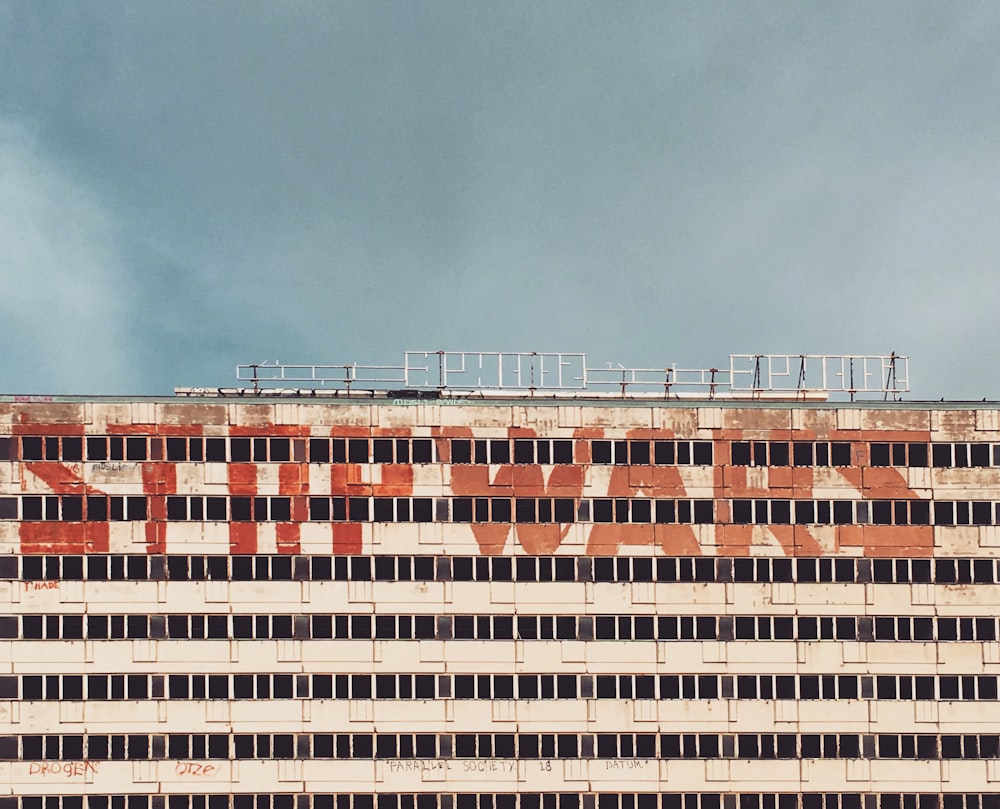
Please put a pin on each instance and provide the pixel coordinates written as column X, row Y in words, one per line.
column 919, row 454
column 498, row 686
column 97, row 567
column 641, row 452
column 74, row 508
column 866, row 512
column 498, row 627
column 795, row 453
column 960, row 455
column 515, row 800
column 218, row 450
column 101, row 508
column 354, row 450
column 97, row 747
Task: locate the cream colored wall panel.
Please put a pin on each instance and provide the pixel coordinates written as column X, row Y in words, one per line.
column 335, row 595
column 967, row 776
column 741, row 653
column 920, row 479
column 608, row 597
column 960, row 658
column 392, row 539
column 546, row 596
column 277, row 596
column 264, row 716
column 119, row 596
column 906, row 776
column 534, row 716
column 36, row 717
column 423, row 716
column 10, row 540
column 461, row 716
column 51, row 656
column 704, row 716
column 327, row 714
column 470, row 598
column 754, row 775
column 610, row 656
column 959, row 716
column 745, row 598
column 539, row 655
column 135, row 715
column 895, row 599
column 708, row 419
column 474, row 650
column 964, row 599
column 919, row 658
column 849, row 418
column 167, row 652
column 410, row 596
column 11, row 591
column 829, row 598
column 214, row 539
column 315, row 538
column 851, row 716
column 699, row 598
column 989, row 542
column 329, row 776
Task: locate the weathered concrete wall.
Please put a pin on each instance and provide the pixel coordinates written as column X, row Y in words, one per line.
column 313, row 598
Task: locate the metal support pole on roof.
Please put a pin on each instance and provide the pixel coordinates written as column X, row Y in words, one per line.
column 891, row 376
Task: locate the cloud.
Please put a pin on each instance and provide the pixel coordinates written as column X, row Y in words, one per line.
column 63, row 280
column 664, row 183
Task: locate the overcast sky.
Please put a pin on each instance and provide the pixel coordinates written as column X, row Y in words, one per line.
column 188, row 186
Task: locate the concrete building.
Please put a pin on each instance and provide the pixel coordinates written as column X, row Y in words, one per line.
column 492, row 599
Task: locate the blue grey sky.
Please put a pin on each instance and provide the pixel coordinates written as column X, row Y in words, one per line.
column 185, row 186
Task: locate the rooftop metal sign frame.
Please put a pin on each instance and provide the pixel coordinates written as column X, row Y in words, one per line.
column 528, row 373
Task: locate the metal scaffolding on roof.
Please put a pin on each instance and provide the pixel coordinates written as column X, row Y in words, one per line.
column 530, row 373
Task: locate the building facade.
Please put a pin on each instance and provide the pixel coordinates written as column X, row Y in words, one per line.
column 376, row 603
